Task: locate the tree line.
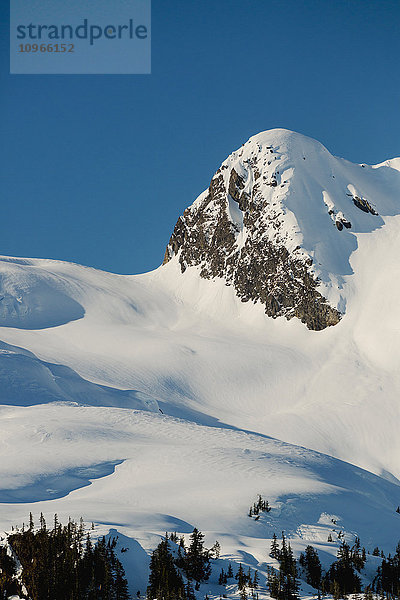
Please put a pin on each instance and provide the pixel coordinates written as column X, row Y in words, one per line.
column 176, row 570
column 61, row 562
column 341, row 579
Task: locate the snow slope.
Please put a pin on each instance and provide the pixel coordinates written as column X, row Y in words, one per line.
column 172, row 475
column 171, row 395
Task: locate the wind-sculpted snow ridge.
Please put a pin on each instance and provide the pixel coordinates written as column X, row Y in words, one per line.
column 26, row 381
column 32, row 298
column 278, row 222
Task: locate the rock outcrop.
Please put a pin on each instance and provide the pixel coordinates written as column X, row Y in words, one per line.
column 241, row 229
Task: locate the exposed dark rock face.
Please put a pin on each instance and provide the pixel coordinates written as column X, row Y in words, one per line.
column 339, row 225
column 258, row 268
column 341, row 221
column 364, row 205
column 206, row 236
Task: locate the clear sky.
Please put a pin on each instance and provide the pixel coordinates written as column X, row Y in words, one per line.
column 96, row 169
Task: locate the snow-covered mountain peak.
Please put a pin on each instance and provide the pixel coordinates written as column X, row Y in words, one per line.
column 287, row 141
column 278, row 222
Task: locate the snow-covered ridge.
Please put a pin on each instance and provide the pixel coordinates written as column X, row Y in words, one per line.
column 392, row 163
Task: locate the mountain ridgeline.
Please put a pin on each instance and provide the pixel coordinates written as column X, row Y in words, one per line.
column 276, row 223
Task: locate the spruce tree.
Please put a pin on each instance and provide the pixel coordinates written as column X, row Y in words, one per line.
column 273, row 583
column 241, row 577
column 189, row 591
column 274, row 552
column 121, row 584
column 197, row 561
column 216, row 550
column 255, row 579
column 341, row 579
column 165, row 583
column 283, row 586
column 8, row 583
column 312, row 567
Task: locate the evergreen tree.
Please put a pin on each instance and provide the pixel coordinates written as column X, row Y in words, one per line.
column 197, row 561
column 121, row 584
column 259, row 506
column 189, row 591
column 341, row 579
column 274, row 553
column 249, row 579
column 256, row 580
column 273, row 583
column 388, row 578
column 241, row 577
column 42, row 522
column 180, row 558
column 288, row 573
column 364, row 555
column 283, row 586
column 216, row 550
column 165, row 583
column 55, row 564
column 335, row 590
column 358, row 557
column 8, row 583
column 312, row 567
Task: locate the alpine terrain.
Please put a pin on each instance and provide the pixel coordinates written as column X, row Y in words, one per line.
column 247, row 387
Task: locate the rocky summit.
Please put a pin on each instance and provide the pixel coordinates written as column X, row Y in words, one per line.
column 277, row 223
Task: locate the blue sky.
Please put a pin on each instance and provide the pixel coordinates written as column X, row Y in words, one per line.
column 96, row 169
